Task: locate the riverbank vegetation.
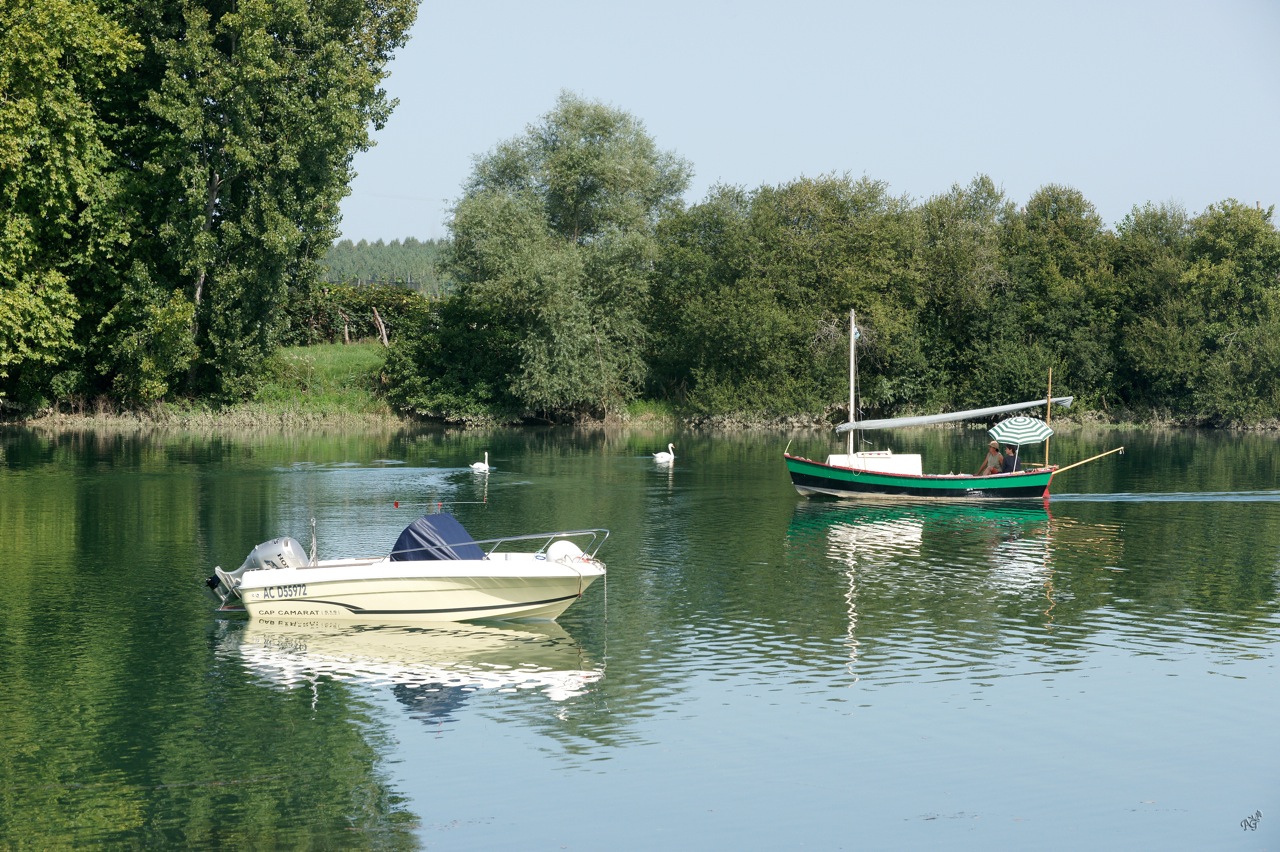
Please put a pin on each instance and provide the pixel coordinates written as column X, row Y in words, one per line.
column 323, row 386
column 168, row 238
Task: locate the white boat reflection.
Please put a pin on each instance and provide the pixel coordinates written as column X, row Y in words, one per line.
column 1005, row 550
column 420, row 663
column 849, row 542
column 1013, row 539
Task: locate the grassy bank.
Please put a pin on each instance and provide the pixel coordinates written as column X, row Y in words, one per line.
column 324, row 386
column 325, row 379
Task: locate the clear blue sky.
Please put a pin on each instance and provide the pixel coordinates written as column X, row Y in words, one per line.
column 1128, row 102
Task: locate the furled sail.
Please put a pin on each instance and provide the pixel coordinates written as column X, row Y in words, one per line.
column 948, row 417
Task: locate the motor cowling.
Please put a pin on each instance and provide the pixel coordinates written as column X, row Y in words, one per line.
column 284, row 552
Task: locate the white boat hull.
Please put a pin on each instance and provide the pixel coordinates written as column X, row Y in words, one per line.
column 507, row 586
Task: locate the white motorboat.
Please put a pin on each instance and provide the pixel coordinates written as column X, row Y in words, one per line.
column 435, row 572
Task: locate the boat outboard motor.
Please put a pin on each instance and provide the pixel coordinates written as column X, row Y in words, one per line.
column 284, row 552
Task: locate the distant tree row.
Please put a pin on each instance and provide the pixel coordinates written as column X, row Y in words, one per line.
column 412, row 263
column 581, row 284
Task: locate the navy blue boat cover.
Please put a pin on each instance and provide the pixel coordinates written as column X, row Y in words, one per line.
column 435, row 537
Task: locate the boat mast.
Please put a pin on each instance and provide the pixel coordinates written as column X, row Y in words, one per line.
column 853, row 376
column 1048, row 413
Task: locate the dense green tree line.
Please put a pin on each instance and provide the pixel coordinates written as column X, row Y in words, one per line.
column 169, row 174
column 412, row 263
column 176, row 225
column 581, row 284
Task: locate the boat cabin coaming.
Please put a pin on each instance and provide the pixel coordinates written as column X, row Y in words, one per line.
column 879, row 461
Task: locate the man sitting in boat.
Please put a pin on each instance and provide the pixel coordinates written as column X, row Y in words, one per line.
column 1011, row 461
column 992, row 463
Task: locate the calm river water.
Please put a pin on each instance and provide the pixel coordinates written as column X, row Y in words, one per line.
column 759, row 670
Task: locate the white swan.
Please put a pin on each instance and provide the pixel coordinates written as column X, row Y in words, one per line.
column 482, row 466
column 668, row 456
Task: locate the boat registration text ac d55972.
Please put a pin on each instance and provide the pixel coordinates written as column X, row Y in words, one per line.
column 296, row 590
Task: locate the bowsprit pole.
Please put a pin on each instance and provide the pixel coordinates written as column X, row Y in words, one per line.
column 1086, row 461
column 1119, row 450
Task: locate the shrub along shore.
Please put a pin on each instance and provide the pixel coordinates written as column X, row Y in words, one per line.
column 335, row 387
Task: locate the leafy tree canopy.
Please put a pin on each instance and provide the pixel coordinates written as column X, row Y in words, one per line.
column 55, row 187
column 552, row 252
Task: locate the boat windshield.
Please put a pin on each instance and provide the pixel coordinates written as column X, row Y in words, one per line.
column 435, row 537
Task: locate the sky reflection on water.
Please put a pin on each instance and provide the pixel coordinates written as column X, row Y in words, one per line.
column 758, row 670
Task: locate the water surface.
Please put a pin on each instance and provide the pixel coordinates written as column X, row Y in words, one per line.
column 759, row 670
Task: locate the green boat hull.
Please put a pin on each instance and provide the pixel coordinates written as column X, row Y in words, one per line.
column 815, row 478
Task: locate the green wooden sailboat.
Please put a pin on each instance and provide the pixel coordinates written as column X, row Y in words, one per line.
column 883, row 473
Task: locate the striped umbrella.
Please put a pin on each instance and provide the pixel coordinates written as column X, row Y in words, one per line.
column 1021, row 430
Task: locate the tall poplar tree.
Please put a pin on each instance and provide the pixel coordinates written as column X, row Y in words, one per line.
column 966, row 282
column 1059, row 311
column 235, row 140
